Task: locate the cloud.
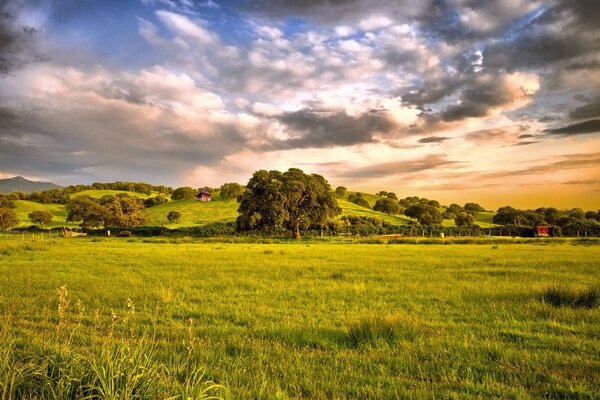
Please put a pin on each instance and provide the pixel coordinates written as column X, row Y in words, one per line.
column 487, row 94
column 583, row 182
column 488, row 135
column 15, row 43
column 581, row 128
column 587, row 111
column 349, row 12
column 563, row 39
column 565, row 162
column 155, row 122
column 395, row 168
column 433, row 139
column 185, row 27
column 322, row 128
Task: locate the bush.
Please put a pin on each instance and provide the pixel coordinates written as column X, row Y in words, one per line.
column 389, row 329
column 174, row 216
column 561, row 296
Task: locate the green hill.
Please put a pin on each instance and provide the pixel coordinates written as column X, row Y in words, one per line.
column 349, row 208
column 485, row 219
column 24, row 207
column 194, row 212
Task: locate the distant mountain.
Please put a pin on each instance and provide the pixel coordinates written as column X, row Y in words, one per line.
column 20, row 184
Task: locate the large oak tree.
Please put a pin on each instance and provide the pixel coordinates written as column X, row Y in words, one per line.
column 292, row 200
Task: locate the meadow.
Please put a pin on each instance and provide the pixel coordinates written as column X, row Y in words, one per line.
column 296, row 320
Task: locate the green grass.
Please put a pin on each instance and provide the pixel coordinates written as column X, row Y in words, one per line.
column 308, row 320
column 194, row 212
column 484, row 219
column 349, row 208
column 24, row 207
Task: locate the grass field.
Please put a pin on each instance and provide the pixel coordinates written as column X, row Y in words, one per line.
column 309, row 320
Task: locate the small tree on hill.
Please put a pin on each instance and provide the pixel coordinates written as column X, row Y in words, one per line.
column 473, row 208
column 340, row 192
column 230, row 190
column 426, row 214
column 8, row 218
column 388, row 206
column 41, row 217
column 173, row 216
column 464, row 219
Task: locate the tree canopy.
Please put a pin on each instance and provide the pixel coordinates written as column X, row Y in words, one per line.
column 183, row 193
column 425, row 213
column 230, row 190
column 41, row 217
column 388, row 205
column 121, row 210
column 8, row 218
column 291, row 200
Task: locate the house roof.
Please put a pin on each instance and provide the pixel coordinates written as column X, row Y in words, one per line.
column 203, row 191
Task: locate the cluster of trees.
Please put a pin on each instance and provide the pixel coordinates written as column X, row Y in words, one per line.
column 546, row 216
column 230, row 190
column 290, row 200
column 425, row 211
column 120, row 210
column 62, row 196
column 358, row 199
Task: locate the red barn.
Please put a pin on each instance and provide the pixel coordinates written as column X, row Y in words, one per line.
column 204, row 195
column 543, row 230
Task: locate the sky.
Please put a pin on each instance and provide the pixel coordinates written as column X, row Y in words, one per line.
column 495, row 102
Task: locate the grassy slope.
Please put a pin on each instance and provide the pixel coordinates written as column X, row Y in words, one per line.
column 484, row 219
column 200, row 213
column 271, row 321
column 194, row 212
column 349, row 208
column 24, row 207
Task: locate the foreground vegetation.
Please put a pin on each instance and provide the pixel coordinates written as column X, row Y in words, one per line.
column 298, row 320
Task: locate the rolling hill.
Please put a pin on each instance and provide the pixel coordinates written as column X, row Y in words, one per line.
column 24, row 207
column 195, row 213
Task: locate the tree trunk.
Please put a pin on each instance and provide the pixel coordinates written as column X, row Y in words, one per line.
column 297, row 231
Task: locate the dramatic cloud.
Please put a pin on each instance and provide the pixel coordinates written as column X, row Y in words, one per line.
column 315, row 128
column 396, row 168
column 487, row 94
column 433, row 139
column 175, row 91
column 580, row 128
column 588, row 111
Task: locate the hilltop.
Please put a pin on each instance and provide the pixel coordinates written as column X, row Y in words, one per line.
column 20, row 184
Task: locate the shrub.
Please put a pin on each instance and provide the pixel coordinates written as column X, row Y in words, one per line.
column 375, row 329
column 561, row 296
column 174, row 216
